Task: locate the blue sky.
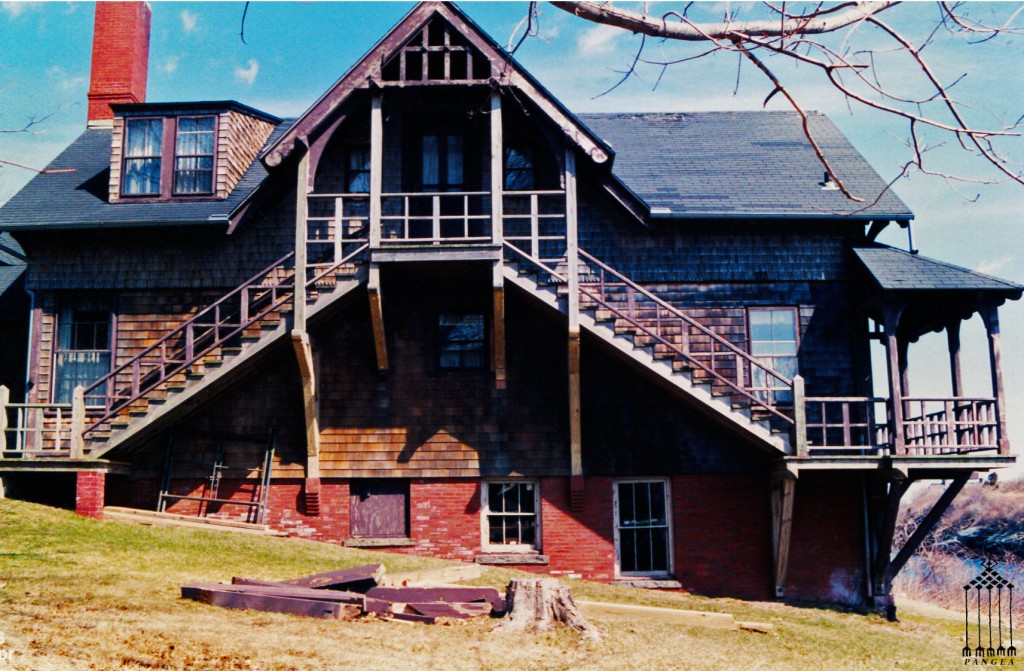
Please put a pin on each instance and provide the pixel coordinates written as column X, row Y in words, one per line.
column 295, row 51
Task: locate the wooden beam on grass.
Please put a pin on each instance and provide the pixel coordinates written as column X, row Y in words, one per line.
column 688, row 618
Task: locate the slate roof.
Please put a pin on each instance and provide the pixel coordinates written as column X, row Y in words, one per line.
column 78, row 199
column 895, row 269
column 11, row 266
column 740, row 164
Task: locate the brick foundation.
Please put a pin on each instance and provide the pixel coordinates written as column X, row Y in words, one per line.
column 90, row 487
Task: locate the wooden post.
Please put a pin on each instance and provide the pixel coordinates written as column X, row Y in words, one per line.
column 891, row 322
column 903, row 355
column 5, row 398
column 926, row 525
column 990, row 315
column 311, row 410
column 955, row 371
column 783, row 487
column 301, row 211
column 77, row 441
column 573, row 303
column 377, row 316
column 498, row 236
column 376, row 168
column 886, row 511
column 799, row 416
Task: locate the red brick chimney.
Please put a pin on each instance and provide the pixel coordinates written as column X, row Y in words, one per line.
column 120, row 58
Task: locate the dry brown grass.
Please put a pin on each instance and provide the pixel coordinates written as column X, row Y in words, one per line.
column 76, row 594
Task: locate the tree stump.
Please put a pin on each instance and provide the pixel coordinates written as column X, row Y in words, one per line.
column 539, row 604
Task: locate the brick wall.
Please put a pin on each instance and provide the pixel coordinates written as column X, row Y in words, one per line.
column 89, row 493
column 120, row 56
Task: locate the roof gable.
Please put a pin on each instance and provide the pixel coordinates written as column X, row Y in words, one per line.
column 376, row 69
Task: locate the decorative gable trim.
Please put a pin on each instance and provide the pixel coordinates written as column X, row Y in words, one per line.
column 367, row 73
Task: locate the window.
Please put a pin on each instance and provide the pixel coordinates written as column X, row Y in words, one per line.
column 193, row 155
column 169, row 156
column 642, row 534
column 441, row 166
column 379, row 508
column 83, row 350
column 461, row 341
column 519, row 169
column 357, row 169
column 510, row 516
column 773, row 340
column 143, row 146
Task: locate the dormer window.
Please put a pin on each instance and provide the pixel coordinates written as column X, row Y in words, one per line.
column 152, row 144
column 193, row 155
column 142, row 152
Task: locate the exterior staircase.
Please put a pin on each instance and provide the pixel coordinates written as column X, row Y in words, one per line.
column 207, row 352
column 699, row 364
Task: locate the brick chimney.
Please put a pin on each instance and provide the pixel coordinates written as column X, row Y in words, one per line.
column 120, row 58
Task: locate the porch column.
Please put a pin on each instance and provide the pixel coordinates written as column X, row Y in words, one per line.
column 498, row 237
column 90, row 487
column 956, row 375
column 891, row 319
column 990, row 315
column 301, row 211
column 903, row 351
column 573, row 301
column 376, row 189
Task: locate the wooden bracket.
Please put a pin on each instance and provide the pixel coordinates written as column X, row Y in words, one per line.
column 783, row 488
column 498, row 334
column 377, row 317
column 928, row 523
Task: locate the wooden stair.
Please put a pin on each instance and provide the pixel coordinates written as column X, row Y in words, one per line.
column 657, row 355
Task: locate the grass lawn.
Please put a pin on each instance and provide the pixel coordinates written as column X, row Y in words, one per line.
column 78, row 594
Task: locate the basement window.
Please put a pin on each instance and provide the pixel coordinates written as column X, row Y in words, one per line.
column 510, row 519
column 461, row 341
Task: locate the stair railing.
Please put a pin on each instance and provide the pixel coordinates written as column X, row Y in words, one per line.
column 666, row 317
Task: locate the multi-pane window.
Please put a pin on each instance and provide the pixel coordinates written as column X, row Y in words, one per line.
column 441, row 167
column 773, row 340
column 510, row 515
column 357, row 169
column 461, row 341
column 643, row 540
column 519, row 175
column 83, row 350
column 143, row 146
column 193, row 155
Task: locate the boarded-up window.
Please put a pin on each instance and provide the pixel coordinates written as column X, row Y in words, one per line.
column 379, row 508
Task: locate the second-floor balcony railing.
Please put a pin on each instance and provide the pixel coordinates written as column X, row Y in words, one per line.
column 934, row 425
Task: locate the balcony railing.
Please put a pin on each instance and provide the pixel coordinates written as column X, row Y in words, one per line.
column 861, row 425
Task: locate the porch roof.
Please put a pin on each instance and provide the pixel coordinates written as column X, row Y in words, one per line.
column 898, row 270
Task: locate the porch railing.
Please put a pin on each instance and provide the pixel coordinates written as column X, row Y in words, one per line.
column 436, row 218
column 35, row 430
column 955, row 425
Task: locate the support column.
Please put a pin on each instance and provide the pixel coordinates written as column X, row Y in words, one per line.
column 77, row 437
column 301, row 211
column 90, row 489
column 990, row 315
column 311, row 410
column 5, row 398
column 928, row 523
column 884, row 510
column 903, row 352
column 891, row 322
column 956, row 374
column 783, row 488
column 573, row 302
column 376, row 190
column 498, row 237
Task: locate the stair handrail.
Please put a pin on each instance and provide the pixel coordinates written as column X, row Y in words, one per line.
column 316, row 278
column 111, row 377
column 672, row 346
column 751, row 359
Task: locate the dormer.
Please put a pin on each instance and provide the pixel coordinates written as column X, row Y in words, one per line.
column 183, row 151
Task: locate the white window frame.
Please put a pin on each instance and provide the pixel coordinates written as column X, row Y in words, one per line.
column 670, row 547
column 485, row 536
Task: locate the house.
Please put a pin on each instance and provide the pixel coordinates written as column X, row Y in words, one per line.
column 441, row 314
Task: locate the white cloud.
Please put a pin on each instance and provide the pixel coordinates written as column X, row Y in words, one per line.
column 188, row 21
column 598, row 40
column 170, row 64
column 993, row 266
column 248, row 74
column 16, row 8
column 65, row 81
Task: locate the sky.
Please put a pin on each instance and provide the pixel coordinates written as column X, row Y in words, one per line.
column 293, row 52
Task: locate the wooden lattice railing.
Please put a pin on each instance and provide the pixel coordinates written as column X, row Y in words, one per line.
column 671, row 331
